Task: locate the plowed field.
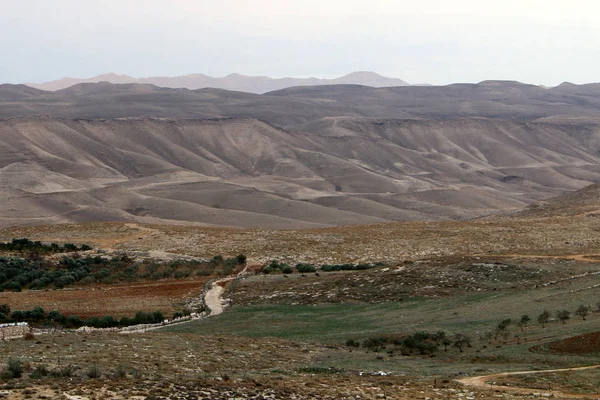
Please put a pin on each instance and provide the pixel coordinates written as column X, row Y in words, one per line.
column 116, row 300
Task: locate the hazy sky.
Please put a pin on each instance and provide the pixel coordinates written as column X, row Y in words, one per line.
column 436, row 41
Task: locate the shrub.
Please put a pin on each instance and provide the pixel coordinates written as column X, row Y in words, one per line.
column 305, row 268
column 177, row 314
column 93, row 372
column 40, row 371
column 120, row 372
column 74, row 321
column 14, row 369
column 287, row 270
column 319, row 370
column 375, row 342
column 267, row 270
column 64, row 372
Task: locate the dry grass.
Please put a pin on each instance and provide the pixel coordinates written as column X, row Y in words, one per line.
column 172, row 366
column 381, row 242
column 577, row 382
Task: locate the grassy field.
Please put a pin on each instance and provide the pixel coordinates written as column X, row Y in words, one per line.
column 472, row 314
column 587, row 381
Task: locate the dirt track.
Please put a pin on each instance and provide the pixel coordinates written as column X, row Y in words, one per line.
column 481, row 382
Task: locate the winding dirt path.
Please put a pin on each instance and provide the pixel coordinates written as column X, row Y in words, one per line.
column 213, row 298
column 481, row 382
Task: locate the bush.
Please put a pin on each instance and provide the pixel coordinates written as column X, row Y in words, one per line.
column 374, row 343
column 120, row 372
column 14, row 369
column 319, row 370
column 93, row 372
column 40, row 371
column 73, row 321
column 177, row 314
column 64, row 372
column 305, row 268
column 287, row 270
column 267, row 270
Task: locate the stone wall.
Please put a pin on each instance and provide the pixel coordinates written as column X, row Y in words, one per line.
column 12, row 331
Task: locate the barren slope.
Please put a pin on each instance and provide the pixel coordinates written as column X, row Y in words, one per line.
column 299, row 105
column 247, row 173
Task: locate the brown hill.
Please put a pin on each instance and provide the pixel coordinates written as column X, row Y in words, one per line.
column 247, row 173
column 585, row 201
column 300, row 105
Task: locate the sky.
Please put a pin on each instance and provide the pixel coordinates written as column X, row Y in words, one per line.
column 424, row 41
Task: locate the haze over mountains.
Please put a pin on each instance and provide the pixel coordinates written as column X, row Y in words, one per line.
column 293, row 158
column 237, row 82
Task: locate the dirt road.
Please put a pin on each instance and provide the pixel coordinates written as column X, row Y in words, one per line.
column 482, row 382
column 213, row 299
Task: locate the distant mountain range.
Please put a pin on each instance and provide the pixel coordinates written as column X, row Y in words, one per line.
column 299, row 157
column 236, row 82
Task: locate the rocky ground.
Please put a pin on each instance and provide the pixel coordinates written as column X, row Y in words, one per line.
column 367, row 243
column 425, row 279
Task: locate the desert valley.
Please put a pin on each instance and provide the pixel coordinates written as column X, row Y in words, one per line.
column 299, row 239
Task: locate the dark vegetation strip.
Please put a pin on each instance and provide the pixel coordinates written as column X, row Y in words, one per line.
column 278, row 267
column 33, row 272
column 40, row 318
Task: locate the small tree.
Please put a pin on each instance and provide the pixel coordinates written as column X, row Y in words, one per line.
column 461, row 341
column 583, row 311
column 446, row 342
column 4, row 309
column 523, row 322
column 241, row 259
column 543, row 318
column 502, row 328
column 38, row 314
column 563, row 315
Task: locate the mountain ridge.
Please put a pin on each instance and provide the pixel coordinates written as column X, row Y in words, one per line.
column 302, row 104
column 234, row 81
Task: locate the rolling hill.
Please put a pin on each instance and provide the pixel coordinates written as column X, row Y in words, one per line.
column 294, row 107
column 247, row 173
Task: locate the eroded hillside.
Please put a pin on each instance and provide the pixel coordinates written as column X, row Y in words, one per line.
column 247, row 173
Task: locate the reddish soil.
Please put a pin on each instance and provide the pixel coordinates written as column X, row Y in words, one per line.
column 116, row 300
column 582, row 344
